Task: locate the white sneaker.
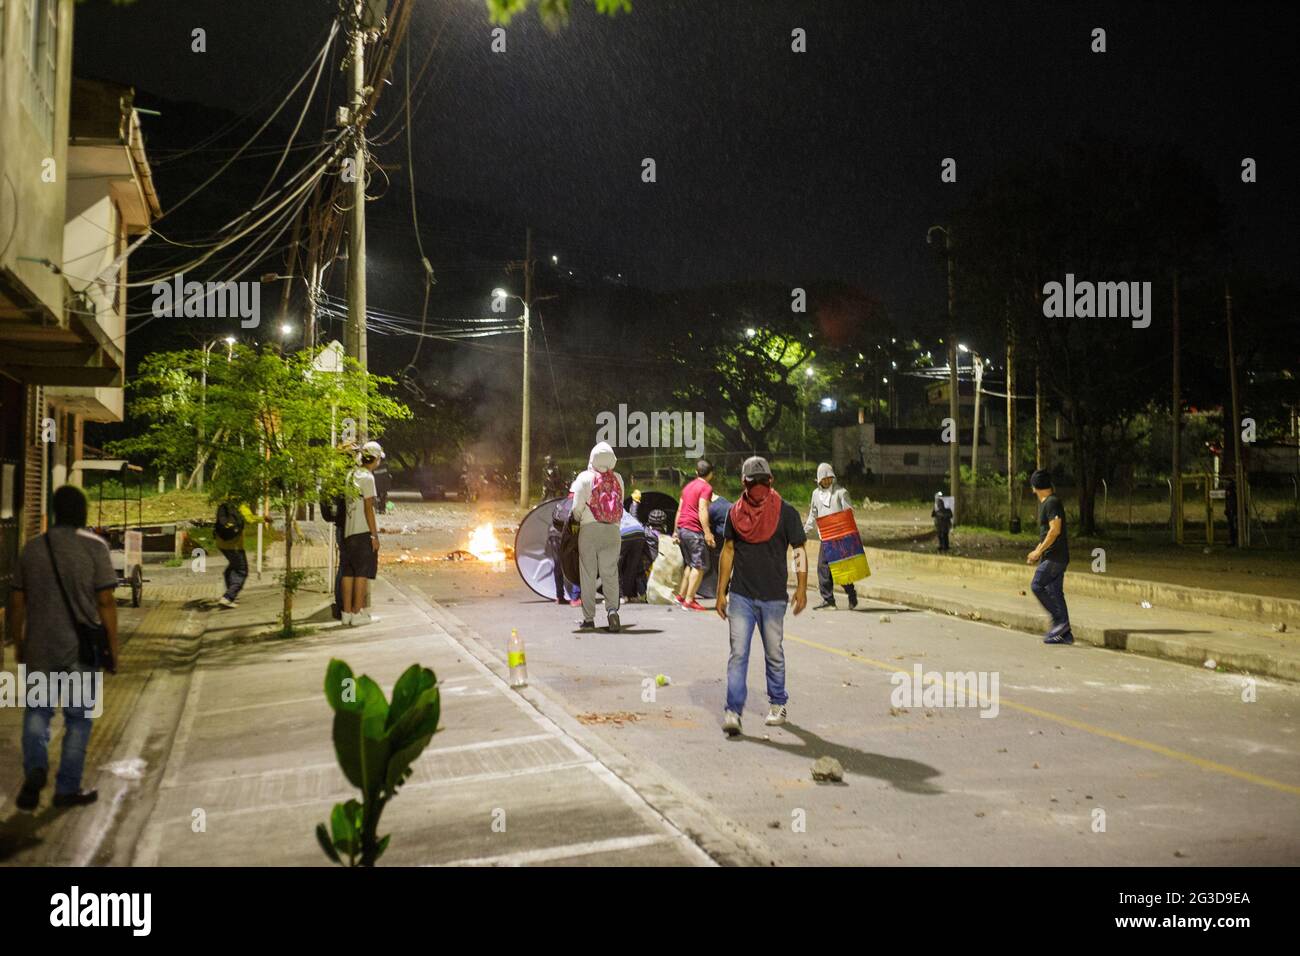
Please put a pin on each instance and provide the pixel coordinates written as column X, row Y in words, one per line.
column 224, row 601
column 347, row 619
column 361, row 617
column 775, row 715
column 731, row 723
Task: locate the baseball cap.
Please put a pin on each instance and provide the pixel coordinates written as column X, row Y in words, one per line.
column 755, row 467
column 372, row 449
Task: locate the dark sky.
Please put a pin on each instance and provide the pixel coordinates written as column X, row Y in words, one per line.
column 771, row 164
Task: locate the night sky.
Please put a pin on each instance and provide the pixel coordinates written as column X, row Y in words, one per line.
column 771, row 164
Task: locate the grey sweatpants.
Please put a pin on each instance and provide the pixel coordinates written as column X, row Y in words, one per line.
column 598, row 547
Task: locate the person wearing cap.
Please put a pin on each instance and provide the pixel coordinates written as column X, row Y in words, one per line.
column 693, row 535
column 827, row 499
column 942, row 516
column 359, row 558
column 752, row 587
column 1052, row 555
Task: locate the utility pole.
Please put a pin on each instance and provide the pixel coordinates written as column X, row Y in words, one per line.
column 523, row 437
column 954, row 447
column 975, row 430
column 356, row 330
column 1039, row 457
column 1176, row 463
column 954, row 409
column 1013, row 517
column 1239, row 470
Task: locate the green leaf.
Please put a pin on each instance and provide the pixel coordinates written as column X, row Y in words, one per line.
column 415, row 680
column 337, row 674
column 323, row 838
column 383, row 845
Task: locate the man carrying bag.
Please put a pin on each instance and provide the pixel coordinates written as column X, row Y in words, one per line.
column 63, row 619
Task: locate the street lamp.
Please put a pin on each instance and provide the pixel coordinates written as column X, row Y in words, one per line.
column 524, row 427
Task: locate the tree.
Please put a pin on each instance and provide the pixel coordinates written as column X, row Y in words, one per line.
column 264, row 420
column 1106, row 213
column 553, row 13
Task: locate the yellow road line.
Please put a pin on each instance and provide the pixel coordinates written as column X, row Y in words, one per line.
column 1164, row 751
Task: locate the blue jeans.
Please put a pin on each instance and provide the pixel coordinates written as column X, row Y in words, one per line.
column 236, row 572
column 37, row 730
column 1048, row 587
column 743, row 615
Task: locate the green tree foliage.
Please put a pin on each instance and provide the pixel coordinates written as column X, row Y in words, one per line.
column 262, row 420
column 553, row 13
column 375, row 743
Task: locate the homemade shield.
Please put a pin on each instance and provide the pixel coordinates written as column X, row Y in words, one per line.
column 532, row 559
column 842, row 546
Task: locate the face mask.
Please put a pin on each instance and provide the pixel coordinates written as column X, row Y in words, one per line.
column 757, row 493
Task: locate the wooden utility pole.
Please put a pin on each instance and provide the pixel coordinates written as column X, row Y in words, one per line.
column 1239, row 469
column 1039, row 457
column 954, row 409
column 1176, row 463
column 523, row 438
column 1013, row 516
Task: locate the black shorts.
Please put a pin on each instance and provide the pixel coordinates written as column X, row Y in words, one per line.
column 694, row 551
column 358, row 557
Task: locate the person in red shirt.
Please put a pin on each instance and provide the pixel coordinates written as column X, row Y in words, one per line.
column 693, row 534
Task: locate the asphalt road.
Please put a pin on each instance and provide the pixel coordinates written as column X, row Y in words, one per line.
column 1094, row 756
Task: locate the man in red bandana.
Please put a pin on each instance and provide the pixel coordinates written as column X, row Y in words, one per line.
column 760, row 527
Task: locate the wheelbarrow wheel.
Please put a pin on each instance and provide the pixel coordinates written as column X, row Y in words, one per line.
column 137, row 585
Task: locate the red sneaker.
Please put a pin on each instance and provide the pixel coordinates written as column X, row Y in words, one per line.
column 577, row 603
column 695, row 606
column 678, row 598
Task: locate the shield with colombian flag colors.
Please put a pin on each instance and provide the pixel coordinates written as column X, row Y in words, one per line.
column 842, row 546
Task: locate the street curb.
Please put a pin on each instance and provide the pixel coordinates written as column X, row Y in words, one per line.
column 1186, row 649
column 721, row 839
column 1248, row 607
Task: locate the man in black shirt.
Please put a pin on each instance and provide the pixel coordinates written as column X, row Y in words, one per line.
column 1052, row 555
column 759, row 529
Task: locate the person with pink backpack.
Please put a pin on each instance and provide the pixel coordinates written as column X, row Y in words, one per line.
column 598, row 509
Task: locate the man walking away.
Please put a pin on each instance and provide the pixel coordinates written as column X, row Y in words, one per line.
column 692, row 532
column 359, row 559
column 598, row 507
column 942, row 516
column 828, row 498
column 1052, row 555
column 233, row 517
column 63, row 578
column 760, row 528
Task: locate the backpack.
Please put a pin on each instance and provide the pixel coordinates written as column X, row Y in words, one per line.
column 229, row 521
column 606, row 501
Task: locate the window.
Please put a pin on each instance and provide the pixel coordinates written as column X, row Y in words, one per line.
column 41, row 53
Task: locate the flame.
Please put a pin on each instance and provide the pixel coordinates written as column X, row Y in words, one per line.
column 483, row 544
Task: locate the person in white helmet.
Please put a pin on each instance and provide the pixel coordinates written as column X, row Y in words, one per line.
column 827, row 499
column 359, row 556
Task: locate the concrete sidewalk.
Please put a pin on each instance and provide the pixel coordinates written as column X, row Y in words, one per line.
column 1238, row 643
column 252, row 769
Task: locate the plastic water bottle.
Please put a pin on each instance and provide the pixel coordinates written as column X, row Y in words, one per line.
column 518, row 662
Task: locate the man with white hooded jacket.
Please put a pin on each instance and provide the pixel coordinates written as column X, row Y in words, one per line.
column 827, row 499
column 599, row 539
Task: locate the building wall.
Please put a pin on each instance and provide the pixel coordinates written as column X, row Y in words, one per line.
column 36, row 217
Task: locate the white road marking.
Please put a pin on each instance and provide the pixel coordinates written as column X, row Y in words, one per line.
column 527, row 857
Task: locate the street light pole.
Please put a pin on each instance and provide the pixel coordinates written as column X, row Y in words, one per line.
column 975, row 431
